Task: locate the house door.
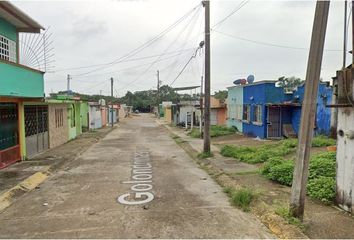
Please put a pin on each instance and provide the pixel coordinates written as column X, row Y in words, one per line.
column 9, row 142
column 36, row 129
column 213, row 117
column 273, row 122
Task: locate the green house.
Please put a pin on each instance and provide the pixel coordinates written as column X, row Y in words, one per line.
column 19, row 83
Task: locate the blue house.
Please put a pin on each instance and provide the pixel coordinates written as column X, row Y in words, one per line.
column 270, row 112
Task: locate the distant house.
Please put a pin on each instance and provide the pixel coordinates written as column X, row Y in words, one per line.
column 264, row 110
column 217, row 111
column 95, row 118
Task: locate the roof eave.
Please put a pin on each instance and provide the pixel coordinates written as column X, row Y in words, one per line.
column 31, row 25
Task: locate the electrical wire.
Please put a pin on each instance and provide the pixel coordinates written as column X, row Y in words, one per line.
column 149, row 67
column 243, row 3
column 270, row 44
column 190, row 59
column 145, row 45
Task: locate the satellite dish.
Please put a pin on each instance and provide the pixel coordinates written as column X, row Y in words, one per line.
column 240, row 81
column 250, row 79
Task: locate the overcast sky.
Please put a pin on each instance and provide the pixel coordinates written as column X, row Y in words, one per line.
column 98, row 32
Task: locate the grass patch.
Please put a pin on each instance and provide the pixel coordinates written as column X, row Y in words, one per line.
column 204, row 155
column 195, row 133
column 285, row 213
column 322, row 171
column 323, row 141
column 241, row 198
column 260, row 154
column 257, row 154
column 215, row 131
column 322, row 188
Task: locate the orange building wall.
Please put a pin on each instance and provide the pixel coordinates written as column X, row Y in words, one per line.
column 221, row 116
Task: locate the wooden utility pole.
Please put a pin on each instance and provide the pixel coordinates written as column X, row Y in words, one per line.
column 308, row 111
column 112, row 102
column 201, row 105
column 206, row 135
column 158, row 94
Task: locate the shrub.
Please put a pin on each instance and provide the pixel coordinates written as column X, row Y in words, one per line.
column 195, row 133
column 242, row 198
column 265, row 170
column 281, row 172
column 216, row 131
column 322, row 188
column 323, row 165
column 323, row 141
column 255, row 154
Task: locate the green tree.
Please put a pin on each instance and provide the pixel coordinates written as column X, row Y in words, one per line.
column 289, row 83
column 221, row 95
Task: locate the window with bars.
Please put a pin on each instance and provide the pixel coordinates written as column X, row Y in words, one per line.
column 246, row 113
column 257, row 114
column 59, row 118
column 7, row 49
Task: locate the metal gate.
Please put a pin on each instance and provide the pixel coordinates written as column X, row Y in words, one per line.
column 274, row 124
column 9, row 143
column 36, row 129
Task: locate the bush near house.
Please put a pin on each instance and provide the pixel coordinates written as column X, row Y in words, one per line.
column 322, row 167
column 266, row 152
column 259, row 154
column 322, row 170
column 215, row 131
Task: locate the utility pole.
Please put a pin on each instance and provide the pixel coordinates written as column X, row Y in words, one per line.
column 206, row 135
column 68, row 83
column 308, row 111
column 158, row 94
column 112, row 102
column 201, row 105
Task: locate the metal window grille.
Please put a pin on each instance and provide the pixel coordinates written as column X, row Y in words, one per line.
column 258, row 114
column 7, row 49
column 246, row 113
column 36, row 120
column 8, row 125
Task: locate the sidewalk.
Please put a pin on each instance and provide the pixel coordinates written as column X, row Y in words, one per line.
column 320, row 221
column 24, row 176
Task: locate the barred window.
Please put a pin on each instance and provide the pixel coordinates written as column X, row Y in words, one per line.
column 7, row 49
column 246, row 113
column 257, row 114
column 59, row 118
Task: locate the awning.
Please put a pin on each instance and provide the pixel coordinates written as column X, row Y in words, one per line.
column 284, row 104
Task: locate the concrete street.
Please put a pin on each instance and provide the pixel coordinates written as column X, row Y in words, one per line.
column 80, row 200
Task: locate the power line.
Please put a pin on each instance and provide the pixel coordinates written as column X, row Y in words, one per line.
column 145, row 45
column 269, row 44
column 123, row 61
column 149, row 67
column 243, row 3
column 189, row 60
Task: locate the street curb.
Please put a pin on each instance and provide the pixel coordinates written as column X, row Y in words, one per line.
column 27, row 185
column 276, row 224
column 10, row 196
